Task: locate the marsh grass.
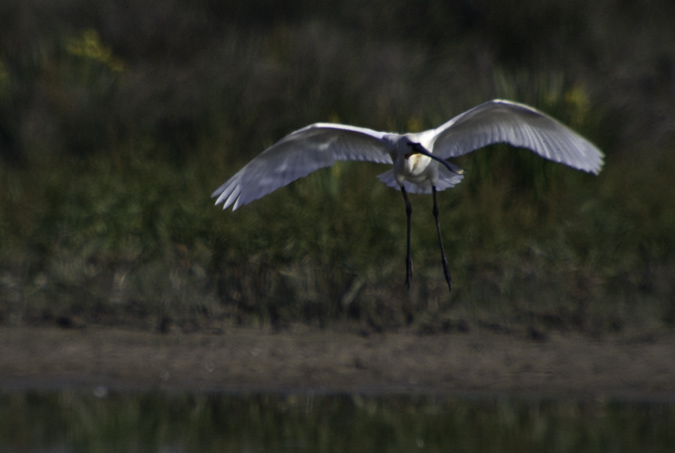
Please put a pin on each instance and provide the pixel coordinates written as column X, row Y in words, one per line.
column 108, row 220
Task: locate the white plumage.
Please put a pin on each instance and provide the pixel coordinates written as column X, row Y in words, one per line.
column 419, row 159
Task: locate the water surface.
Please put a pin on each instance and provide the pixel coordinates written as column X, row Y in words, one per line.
column 99, row 421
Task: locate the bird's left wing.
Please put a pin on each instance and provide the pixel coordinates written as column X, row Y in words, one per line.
column 519, row 125
column 297, row 155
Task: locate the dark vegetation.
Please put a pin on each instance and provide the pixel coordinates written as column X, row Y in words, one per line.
column 119, row 118
column 157, row 421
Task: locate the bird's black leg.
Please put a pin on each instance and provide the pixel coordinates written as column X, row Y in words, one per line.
column 440, row 241
column 408, row 259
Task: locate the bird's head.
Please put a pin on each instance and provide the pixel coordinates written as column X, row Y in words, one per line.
column 416, row 148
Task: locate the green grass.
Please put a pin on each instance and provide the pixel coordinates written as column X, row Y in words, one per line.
column 139, row 241
column 108, row 219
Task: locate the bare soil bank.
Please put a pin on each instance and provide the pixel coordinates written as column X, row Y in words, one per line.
column 301, row 359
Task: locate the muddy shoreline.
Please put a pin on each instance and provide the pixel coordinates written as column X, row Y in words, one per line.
column 305, row 360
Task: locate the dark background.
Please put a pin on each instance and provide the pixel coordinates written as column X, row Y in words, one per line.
column 119, row 118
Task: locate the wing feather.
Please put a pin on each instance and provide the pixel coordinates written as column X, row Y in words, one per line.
column 519, row 125
column 297, row 155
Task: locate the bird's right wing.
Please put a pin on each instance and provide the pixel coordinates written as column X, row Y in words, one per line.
column 297, row 155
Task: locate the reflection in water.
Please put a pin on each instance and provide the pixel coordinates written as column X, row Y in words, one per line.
column 164, row 422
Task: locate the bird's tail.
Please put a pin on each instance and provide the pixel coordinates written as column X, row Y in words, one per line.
column 446, row 180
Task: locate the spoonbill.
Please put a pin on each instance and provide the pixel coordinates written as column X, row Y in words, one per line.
column 418, row 158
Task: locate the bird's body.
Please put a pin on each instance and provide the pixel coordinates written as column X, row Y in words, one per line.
column 418, row 159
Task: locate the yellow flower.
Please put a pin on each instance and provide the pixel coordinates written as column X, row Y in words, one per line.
column 89, row 45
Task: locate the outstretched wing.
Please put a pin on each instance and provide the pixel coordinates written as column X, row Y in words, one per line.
column 519, row 125
column 297, row 155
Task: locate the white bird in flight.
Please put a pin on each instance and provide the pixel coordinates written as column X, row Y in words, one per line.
column 419, row 158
